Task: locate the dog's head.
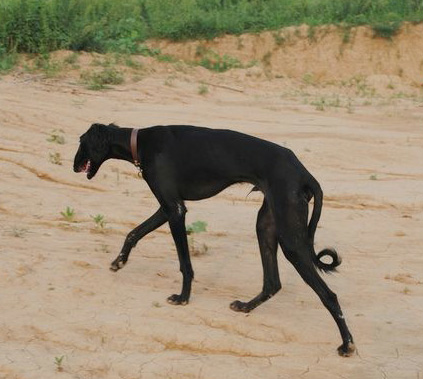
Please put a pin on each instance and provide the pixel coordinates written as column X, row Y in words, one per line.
column 94, row 148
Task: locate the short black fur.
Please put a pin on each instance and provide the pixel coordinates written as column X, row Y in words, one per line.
column 191, row 163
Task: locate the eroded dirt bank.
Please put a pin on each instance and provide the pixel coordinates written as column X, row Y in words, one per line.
column 319, row 54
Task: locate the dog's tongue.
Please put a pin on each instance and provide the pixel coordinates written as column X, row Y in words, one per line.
column 86, row 167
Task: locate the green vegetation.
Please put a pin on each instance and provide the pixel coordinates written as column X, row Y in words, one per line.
column 386, row 30
column 203, row 89
column 99, row 221
column 193, row 229
column 56, row 136
column 55, row 158
column 7, row 60
column 58, row 361
column 68, row 214
column 40, row 26
column 196, row 227
column 214, row 62
column 49, row 67
column 102, row 79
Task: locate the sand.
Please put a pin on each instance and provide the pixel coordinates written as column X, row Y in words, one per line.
column 64, row 314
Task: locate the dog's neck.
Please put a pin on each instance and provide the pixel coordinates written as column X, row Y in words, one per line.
column 121, row 142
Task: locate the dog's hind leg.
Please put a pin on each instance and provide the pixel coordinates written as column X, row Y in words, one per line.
column 291, row 219
column 268, row 243
column 156, row 220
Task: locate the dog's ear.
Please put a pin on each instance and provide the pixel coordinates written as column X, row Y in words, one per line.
column 98, row 133
column 96, row 129
column 99, row 138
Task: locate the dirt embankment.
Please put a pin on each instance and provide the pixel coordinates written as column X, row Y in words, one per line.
column 318, row 54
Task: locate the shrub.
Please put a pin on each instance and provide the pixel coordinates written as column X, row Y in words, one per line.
column 102, row 79
column 39, row 26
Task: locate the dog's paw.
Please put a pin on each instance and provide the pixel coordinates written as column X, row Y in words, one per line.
column 346, row 350
column 177, row 300
column 239, row 306
column 117, row 264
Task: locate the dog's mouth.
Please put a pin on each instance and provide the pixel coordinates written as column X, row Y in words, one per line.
column 86, row 168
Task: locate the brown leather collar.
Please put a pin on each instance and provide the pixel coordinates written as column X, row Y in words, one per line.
column 134, row 148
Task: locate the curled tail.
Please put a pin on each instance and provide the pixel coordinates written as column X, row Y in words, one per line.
column 317, row 193
column 328, row 267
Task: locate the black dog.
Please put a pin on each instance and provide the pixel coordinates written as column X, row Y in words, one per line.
column 191, row 163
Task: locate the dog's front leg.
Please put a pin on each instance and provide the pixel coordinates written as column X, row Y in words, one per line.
column 177, row 227
column 156, row 220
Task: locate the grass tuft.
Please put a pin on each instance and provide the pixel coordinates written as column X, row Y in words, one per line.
column 99, row 80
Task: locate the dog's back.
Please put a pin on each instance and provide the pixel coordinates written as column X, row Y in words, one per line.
column 221, row 155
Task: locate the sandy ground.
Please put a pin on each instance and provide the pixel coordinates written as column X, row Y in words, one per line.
column 59, row 299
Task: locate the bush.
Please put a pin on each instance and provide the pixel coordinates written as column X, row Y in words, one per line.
column 7, row 60
column 386, row 30
column 102, row 79
column 40, row 26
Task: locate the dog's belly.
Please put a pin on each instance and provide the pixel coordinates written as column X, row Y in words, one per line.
column 199, row 190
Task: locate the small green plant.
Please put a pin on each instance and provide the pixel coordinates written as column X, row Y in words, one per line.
column 129, row 62
column 311, row 33
column 166, row 58
column 362, row 89
column 56, row 136
column 72, row 59
column 99, row 62
column 147, row 51
column 319, row 104
column 346, row 33
column 50, row 67
column 102, row 79
column 196, row 227
column 214, row 62
column 373, row 177
column 58, row 361
column 406, row 291
column 322, row 103
column 105, row 249
column 267, row 58
column 170, row 81
column 203, row 89
column 192, row 229
column 279, row 38
column 55, row 158
column 386, row 29
column 7, row 60
column 309, row 79
column 99, row 221
column 68, row 214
